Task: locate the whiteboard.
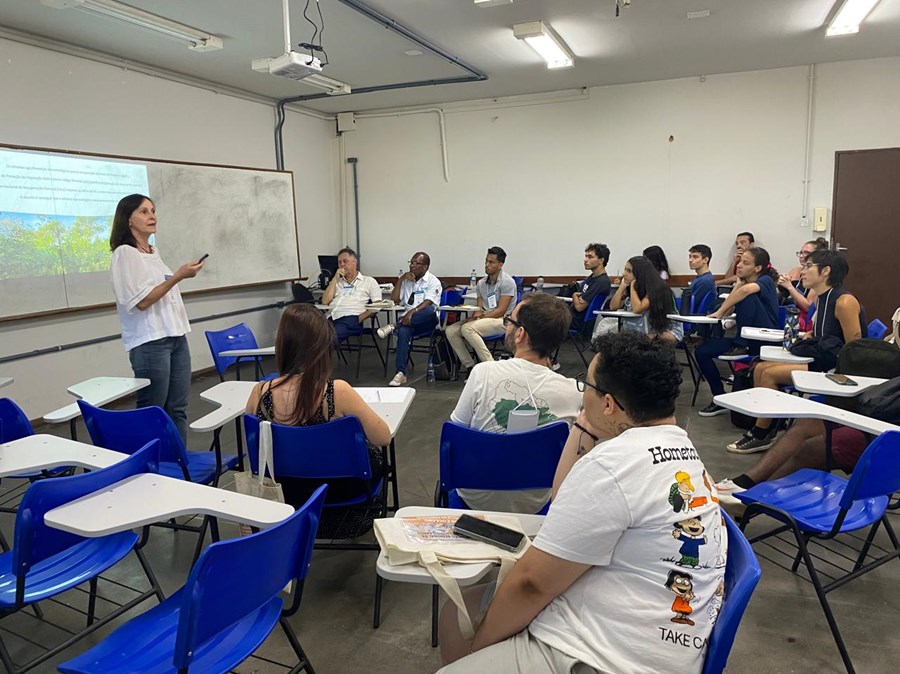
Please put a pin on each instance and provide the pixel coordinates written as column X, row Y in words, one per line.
column 244, row 218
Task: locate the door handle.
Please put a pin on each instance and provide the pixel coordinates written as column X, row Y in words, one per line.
column 838, row 247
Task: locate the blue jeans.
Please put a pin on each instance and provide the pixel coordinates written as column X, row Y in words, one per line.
column 166, row 363
column 421, row 323
column 347, row 326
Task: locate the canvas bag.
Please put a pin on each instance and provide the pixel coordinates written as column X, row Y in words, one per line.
column 400, row 549
column 260, row 486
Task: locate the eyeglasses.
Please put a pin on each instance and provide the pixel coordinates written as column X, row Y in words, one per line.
column 509, row 319
column 803, row 253
column 416, row 263
column 808, row 265
column 581, row 382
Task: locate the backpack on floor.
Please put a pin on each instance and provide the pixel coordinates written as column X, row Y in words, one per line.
column 442, row 358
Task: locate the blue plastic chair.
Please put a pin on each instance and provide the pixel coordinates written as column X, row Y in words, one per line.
column 815, row 505
column 45, row 562
column 128, row 430
column 877, row 329
column 742, row 574
column 581, row 337
column 334, row 450
column 449, row 296
column 236, row 337
column 225, row 610
column 698, row 307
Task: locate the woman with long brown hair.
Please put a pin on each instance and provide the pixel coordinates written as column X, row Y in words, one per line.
column 305, row 395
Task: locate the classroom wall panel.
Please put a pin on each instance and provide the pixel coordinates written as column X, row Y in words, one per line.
column 56, row 100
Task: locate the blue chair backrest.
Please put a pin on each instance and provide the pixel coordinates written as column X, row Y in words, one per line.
column 34, row 540
column 810, row 312
column 590, row 317
column 13, row 422
column 236, row 337
column 518, row 280
column 227, row 583
column 472, row 459
column 877, row 473
column 701, row 306
column 877, row 329
column 128, row 430
column 451, row 297
column 742, row 573
column 332, row 450
column 782, row 315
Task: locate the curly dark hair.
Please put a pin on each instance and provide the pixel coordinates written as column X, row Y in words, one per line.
column 640, row 372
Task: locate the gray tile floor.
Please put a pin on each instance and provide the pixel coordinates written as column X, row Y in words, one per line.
column 783, row 630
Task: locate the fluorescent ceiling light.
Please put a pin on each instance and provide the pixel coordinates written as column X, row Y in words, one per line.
column 331, row 87
column 540, row 37
column 197, row 40
column 852, row 13
column 492, row 3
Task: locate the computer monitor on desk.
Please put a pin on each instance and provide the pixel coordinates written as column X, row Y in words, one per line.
column 328, row 266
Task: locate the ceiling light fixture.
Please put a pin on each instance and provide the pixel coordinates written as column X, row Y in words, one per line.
column 549, row 46
column 847, row 19
column 492, row 3
column 197, row 40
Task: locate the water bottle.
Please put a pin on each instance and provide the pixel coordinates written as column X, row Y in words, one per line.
column 473, row 279
column 539, row 284
column 429, row 374
column 400, row 273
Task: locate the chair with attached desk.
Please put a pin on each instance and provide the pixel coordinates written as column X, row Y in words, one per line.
column 500, row 338
column 236, row 337
column 696, row 307
column 346, row 346
column 323, row 454
column 816, row 506
column 580, row 336
column 877, row 329
column 46, row 562
column 224, row 611
column 742, row 574
column 449, row 297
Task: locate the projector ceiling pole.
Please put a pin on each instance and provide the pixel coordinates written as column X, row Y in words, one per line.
column 286, row 8
column 353, row 161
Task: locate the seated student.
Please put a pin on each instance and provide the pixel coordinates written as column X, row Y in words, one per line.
column 792, row 284
column 348, row 294
column 838, row 319
column 596, row 257
column 644, row 292
column 306, row 395
column 612, row 583
column 657, row 257
column 743, row 241
column 419, row 291
column 755, row 301
column 496, row 299
column 534, row 331
column 701, row 285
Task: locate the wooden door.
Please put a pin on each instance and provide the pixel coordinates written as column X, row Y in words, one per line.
column 866, row 222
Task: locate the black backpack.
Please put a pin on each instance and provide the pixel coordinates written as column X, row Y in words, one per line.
column 869, row 358
column 881, row 402
column 442, row 358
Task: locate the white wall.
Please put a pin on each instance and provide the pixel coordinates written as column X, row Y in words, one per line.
column 543, row 180
column 60, row 101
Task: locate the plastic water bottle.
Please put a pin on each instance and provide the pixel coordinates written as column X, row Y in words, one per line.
column 429, row 373
column 473, row 279
column 539, row 284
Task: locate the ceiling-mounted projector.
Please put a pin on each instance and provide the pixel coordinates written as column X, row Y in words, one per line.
column 295, row 66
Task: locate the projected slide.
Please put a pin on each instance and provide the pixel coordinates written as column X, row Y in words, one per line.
column 56, row 212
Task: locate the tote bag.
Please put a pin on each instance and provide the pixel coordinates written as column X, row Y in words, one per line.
column 262, row 485
column 426, row 541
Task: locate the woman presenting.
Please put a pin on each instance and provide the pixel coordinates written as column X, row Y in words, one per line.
column 154, row 321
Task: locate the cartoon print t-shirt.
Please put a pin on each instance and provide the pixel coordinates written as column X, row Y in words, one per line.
column 642, row 510
column 496, row 388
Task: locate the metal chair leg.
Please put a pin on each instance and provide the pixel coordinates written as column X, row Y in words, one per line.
column 379, row 587
column 435, row 598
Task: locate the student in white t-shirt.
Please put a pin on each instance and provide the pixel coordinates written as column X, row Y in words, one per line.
column 523, row 389
column 154, row 320
column 626, row 567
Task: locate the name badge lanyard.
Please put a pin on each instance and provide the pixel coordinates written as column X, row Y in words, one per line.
column 530, row 392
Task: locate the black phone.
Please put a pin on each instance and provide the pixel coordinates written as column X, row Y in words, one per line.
column 488, row 532
column 206, row 255
column 841, row 379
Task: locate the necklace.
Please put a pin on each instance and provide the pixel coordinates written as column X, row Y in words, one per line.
column 145, row 249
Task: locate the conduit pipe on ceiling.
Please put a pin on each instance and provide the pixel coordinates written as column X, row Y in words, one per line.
column 475, row 75
column 810, row 107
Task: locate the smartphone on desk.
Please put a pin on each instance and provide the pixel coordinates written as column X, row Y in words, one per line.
column 488, row 532
column 841, row 379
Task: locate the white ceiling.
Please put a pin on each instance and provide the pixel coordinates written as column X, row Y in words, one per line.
column 651, row 40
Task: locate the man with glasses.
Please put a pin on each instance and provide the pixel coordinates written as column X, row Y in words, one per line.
column 595, row 591
column 419, row 291
column 520, row 393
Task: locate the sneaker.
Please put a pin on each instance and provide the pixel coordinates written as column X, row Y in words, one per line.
column 382, row 334
column 728, row 487
column 398, row 380
column 712, row 410
column 750, row 444
column 729, row 323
